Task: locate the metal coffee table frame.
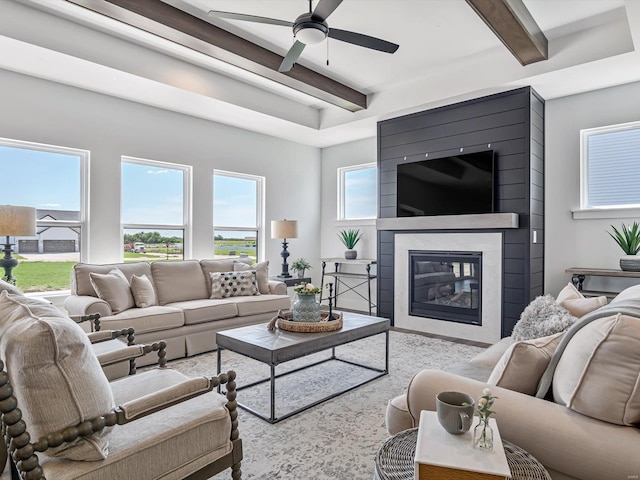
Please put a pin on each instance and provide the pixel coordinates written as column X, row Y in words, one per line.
column 279, row 346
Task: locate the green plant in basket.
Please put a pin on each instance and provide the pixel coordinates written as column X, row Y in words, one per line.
column 350, row 237
column 628, row 238
column 306, row 289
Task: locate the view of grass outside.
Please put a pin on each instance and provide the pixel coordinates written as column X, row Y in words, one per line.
column 33, row 276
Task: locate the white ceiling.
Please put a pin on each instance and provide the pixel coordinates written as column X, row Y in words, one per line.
column 446, row 54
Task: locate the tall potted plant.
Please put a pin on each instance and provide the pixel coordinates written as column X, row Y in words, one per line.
column 628, row 238
column 350, row 239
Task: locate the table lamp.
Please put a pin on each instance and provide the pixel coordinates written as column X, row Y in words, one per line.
column 284, row 229
column 15, row 222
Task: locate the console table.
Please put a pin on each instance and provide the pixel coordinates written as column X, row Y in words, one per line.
column 340, row 277
column 578, row 276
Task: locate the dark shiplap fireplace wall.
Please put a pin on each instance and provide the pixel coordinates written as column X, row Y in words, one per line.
column 510, row 123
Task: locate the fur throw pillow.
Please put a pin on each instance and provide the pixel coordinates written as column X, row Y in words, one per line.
column 542, row 317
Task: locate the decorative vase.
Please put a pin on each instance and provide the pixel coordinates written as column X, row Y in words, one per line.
column 483, row 435
column 300, row 273
column 306, row 309
column 351, row 254
column 630, row 263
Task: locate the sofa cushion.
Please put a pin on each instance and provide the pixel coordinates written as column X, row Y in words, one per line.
column 598, row 373
column 81, row 285
column 630, row 293
column 143, row 320
column 542, row 317
column 179, row 281
column 233, row 284
column 262, row 273
column 491, row 356
column 523, row 364
column 47, row 355
column 262, row 304
column 207, row 310
column 143, row 291
column 114, row 289
column 192, row 434
column 569, row 292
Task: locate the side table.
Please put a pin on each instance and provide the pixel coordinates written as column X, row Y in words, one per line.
column 394, row 460
column 292, row 281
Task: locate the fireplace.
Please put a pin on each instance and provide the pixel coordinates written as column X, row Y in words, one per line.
column 446, row 285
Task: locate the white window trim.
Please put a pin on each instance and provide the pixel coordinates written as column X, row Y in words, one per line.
column 187, row 200
column 341, row 174
column 84, row 156
column 615, row 211
column 260, row 214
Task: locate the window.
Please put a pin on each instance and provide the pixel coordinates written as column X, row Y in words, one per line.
column 155, row 210
column 610, row 167
column 237, row 214
column 54, row 181
column 357, row 192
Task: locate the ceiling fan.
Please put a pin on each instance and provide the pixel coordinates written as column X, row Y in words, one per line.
column 311, row 28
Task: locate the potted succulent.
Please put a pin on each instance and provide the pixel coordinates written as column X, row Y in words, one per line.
column 350, row 239
column 628, row 238
column 300, row 265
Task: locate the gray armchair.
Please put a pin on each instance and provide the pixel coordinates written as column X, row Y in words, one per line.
column 62, row 418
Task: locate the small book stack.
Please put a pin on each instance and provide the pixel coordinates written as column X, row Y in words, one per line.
column 443, row 456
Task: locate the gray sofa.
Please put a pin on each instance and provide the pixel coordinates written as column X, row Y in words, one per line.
column 184, row 316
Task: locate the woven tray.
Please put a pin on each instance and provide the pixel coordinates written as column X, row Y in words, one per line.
column 323, row 325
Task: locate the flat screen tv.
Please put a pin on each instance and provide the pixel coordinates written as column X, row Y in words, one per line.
column 456, row 185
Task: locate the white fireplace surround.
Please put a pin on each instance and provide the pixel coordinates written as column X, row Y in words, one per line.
column 490, row 244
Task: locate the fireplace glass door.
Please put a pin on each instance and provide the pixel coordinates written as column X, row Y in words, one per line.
column 446, row 285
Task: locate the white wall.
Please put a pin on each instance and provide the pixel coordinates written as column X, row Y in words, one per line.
column 353, row 153
column 46, row 112
column 569, row 242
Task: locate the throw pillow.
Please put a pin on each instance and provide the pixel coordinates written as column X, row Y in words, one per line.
column 522, row 365
column 630, row 293
column 6, row 286
column 143, row 293
column 114, row 289
column 55, row 375
column 568, row 293
column 233, row 284
column 542, row 317
column 262, row 273
column 598, row 373
column 579, row 307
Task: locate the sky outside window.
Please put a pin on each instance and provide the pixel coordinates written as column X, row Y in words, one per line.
column 360, row 193
column 152, row 195
column 235, row 201
column 44, row 180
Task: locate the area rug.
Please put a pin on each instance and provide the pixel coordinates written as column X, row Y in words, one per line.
column 338, row 439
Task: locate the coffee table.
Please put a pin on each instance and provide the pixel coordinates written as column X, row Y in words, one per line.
column 279, row 346
column 395, row 459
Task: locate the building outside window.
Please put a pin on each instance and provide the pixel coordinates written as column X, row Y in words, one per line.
column 237, row 215
column 155, row 210
column 54, row 181
column 358, row 192
column 610, row 167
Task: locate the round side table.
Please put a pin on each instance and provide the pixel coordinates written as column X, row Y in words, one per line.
column 394, row 460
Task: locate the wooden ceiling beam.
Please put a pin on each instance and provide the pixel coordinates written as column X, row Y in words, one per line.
column 513, row 24
column 166, row 21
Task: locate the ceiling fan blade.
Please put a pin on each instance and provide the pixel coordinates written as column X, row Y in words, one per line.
column 324, row 9
column 250, row 18
column 363, row 40
column 291, row 57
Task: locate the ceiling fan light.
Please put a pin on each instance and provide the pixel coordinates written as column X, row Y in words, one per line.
column 310, row 34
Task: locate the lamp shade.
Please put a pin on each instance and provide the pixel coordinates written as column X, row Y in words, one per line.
column 17, row 221
column 284, row 229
